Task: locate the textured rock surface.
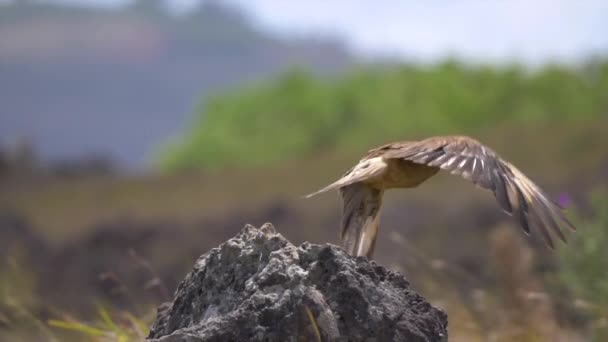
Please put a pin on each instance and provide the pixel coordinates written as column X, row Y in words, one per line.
column 258, row 286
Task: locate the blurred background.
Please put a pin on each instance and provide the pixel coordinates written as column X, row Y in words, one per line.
column 136, row 135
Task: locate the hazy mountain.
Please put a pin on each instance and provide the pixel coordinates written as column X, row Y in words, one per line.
column 76, row 81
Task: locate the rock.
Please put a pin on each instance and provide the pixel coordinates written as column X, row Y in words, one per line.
column 258, row 286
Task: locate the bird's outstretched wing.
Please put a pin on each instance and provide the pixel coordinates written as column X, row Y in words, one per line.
column 516, row 194
column 360, row 218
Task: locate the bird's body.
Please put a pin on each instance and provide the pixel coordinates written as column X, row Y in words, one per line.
column 407, row 164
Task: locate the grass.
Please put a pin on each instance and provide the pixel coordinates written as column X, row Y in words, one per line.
column 23, row 312
column 556, row 156
column 516, row 307
column 64, row 209
column 130, row 328
column 313, row 323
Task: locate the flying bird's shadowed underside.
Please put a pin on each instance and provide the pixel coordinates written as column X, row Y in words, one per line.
column 406, row 164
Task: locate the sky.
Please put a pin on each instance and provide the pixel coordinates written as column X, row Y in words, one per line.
column 487, row 31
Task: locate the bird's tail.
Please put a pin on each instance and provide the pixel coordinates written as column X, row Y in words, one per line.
column 360, row 219
column 362, row 239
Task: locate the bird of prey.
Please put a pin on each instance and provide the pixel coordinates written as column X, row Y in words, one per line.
column 407, row 164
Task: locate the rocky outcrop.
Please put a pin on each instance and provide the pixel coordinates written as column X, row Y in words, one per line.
column 258, row 286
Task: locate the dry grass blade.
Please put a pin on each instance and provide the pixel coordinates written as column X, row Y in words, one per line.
column 107, row 320
column 75, row 326
column 313, row 322
column 139, row 328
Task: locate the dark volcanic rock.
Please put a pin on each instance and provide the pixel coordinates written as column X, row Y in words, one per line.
column 258, row 286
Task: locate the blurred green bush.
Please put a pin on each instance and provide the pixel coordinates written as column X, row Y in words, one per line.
column 300, row 114
column 584, row 264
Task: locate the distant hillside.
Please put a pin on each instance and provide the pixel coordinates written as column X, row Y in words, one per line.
column 76, row 81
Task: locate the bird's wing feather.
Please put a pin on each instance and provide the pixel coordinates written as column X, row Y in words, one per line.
column 366, row 169
column 516, row 193
column 360, row 218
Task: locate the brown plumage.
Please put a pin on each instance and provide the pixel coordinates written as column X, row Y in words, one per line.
column 407, row 164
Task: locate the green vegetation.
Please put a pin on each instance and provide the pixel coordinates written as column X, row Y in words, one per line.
column 584, row 264
column 22, row 312
column 130, row 328
column 301, row 114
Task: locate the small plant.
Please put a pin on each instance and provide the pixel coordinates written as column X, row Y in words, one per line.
column 128, row 328
column 119, row 325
